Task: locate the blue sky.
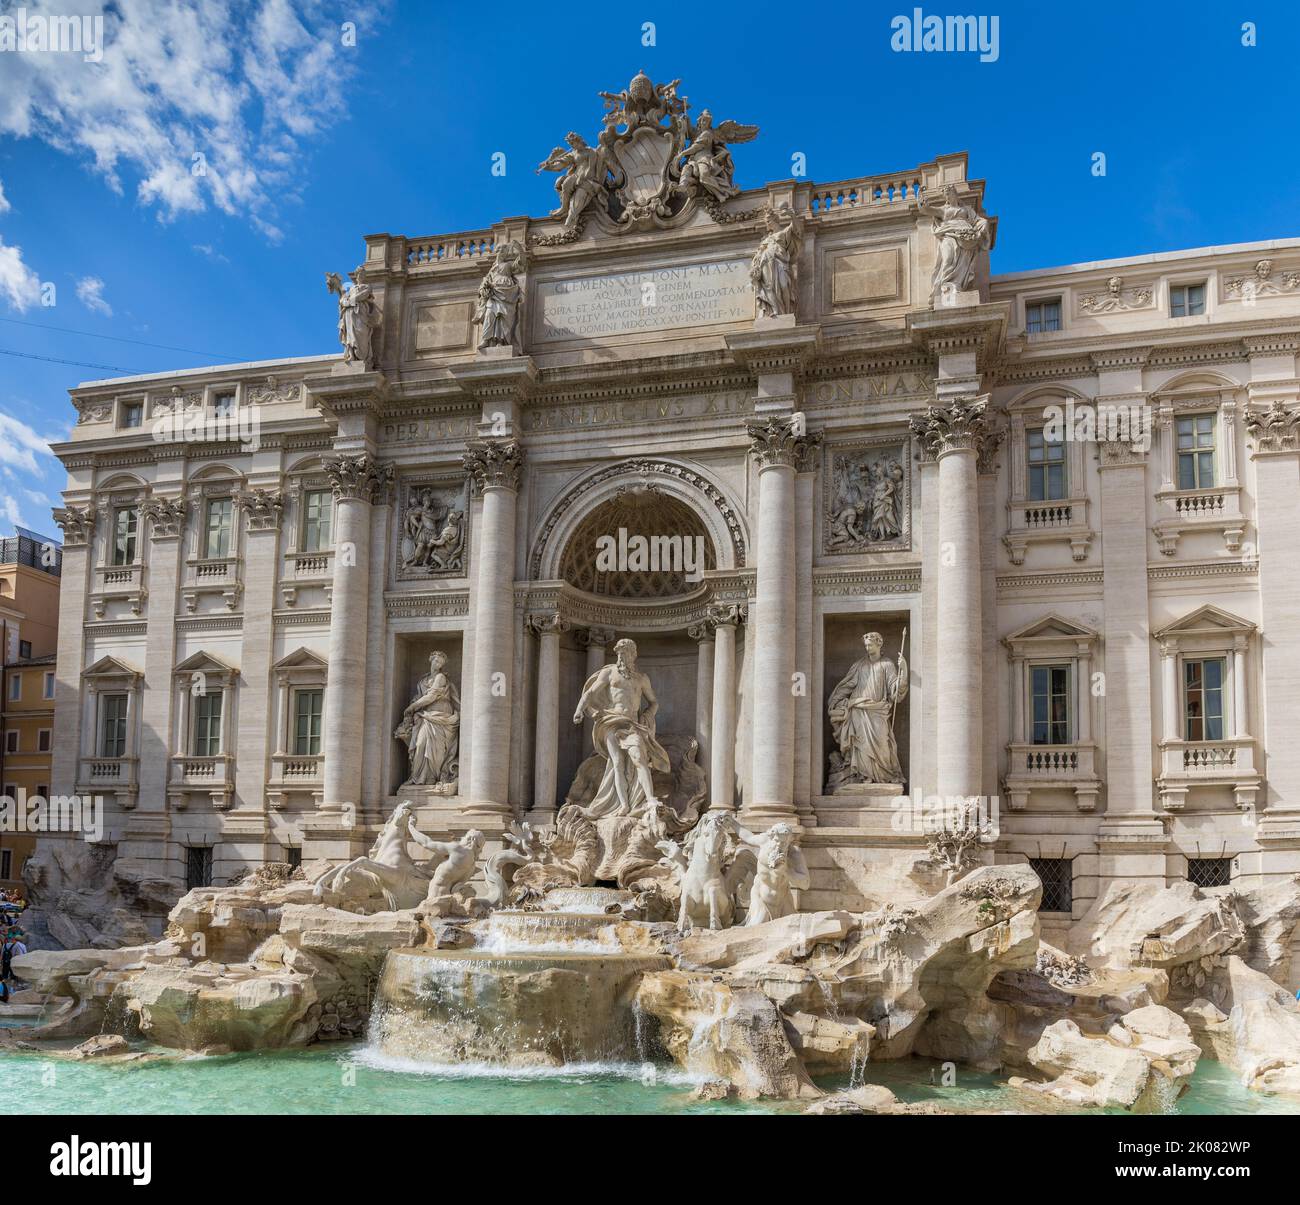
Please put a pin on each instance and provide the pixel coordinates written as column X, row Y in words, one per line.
column 311, row 143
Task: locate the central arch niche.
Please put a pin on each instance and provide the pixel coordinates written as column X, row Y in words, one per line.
column 671, row 530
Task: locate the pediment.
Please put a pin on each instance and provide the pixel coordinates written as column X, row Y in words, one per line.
column 1053, row 627
column 205, row 662
column 1206, row 620
column 112, row 667
column 302, row 658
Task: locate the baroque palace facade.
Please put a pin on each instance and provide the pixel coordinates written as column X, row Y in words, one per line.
column 820, row 394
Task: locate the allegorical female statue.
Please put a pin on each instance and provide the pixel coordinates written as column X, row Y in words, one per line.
column 499, row 300
column 862, row 717
column 359, row 318
column 430, row 729
column 962, row 232
column 773, row 269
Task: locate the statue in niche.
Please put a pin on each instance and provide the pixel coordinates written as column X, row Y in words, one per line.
column 962, row 232
column 862, row 709
column 500, row 299
column 622, row 704
column 708, row 163
column 867, row 505
column 433, row 537
column 359, row 318
column 586, row 173
column 774, row 268
column 430, row 730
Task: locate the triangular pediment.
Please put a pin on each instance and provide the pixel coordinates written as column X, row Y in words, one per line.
column 302, row 658
column 205, row 662
column 1053, row 627
column 112, row 667
column 1207, row 618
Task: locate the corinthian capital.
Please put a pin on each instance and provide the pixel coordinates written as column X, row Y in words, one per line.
column 962, row 425
column 542, row 622
column 359, row 477
column 492, row 462
column 262, row 508
column 720, row 615
column 166, row 516
column 1276, row 429
column 77, row 523
column 784, row 441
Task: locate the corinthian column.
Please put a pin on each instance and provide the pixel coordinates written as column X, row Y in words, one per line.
column 782, row 449
column 358, row 482
column 955, row 435
column 494, row 466
column 547, row 735
column 722, row 769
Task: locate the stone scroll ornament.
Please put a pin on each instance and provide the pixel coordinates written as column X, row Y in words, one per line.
column 651, row 166
column 962, row 233
column 359, row 318
column 430, row 730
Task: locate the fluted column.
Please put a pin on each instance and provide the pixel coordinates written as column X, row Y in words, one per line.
column 702, row 634
column 782, row 448
column 722, row 768
column 494, row 466
column 955, row 435
column 358, row 481
column 547, row 733
column 78, row 526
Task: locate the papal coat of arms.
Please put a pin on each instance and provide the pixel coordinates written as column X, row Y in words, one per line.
column 651, row 165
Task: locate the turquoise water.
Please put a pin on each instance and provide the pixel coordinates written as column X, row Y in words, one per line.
column 349, row 1079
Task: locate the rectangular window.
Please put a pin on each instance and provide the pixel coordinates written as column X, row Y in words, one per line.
column 1057, row 876
column 126, row 526
column 1203, row 698
column 15, row 687
column 1186, row 300
column 293, row 855
column 198, row 867
column 43, row 740
column 49, row 684
column 6, row 863
column 12, row 737
column 1195, row 452
column 218, row 526
column 207, row 724
column 1043, row 315
column 24, row 648
column 307, row 706
column 1046, row 466
column 1210, row 872
column 112, row 726
column 133, row 414
column 1050, row 689
column 317, row 519
column 223, row 404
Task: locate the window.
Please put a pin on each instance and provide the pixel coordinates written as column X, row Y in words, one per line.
column 1203, row 699
column 6, row 863
column 1210, row 872
column 1186, row 300
column 293, row 855
column 317, row 519
column 1046, row 466
column 307, row 722
column 1050, row 688
column 198, row 867
column 43, row 740
column 126, row 526
column 48, row 690
column 112, row 726
column 15, row 687
column 133, row 414
column 1043, row 315
column 12, row 737
column 218, row 526
column 1195, row 452
column 207, row 724
column 24, row 648
column 223, row 404
column 1057, row 876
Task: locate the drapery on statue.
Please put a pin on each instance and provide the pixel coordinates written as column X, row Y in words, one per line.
column 861, row 712
column 622, row 703
column 587, row 171
column 359, row 318
column 963, row 232
column 774, row 268
column 708, row 163
column 500, row 300
column 430, row 728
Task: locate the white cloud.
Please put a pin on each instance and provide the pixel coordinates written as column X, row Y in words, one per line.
column 20, row 445
column 9, row 511
column 240, row 86
column 4, row 201
column 90, row 292
column 19, row 285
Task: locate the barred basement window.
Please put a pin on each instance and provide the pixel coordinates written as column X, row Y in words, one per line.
column 1057, row 875
column 198, row 866
column 1210, row 872
column 293, row 855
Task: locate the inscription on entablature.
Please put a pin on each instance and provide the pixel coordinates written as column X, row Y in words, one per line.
column 652, row 410
column 649, row 300
column 430, row 430
column 866, row 389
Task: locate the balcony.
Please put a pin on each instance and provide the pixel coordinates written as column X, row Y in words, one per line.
column 295, row 775
column 1226, row 763
column 118, row 582
column 1063, row 520
column 1053, row 767
column 1180, row 512
column 109, row 775
column 210, row 776
column 212, row 575
column 306, row 569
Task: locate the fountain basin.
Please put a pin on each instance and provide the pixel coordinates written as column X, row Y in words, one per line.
column 518, row 1009
column 586, row 899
